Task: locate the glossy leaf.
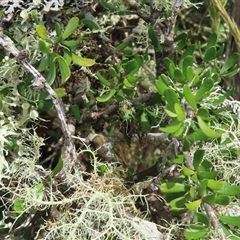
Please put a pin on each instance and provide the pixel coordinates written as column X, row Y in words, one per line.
column 42, row 32
column 90, row 24
column 71, row 27
column 44, row 63
column 212, row 41
column 76, row 112
column 172, row 128
column 43, row 47
column 178, row 202
column 215, row 185
column 161, row 87
column 210, row 199
column 207, row 175
column 195, row 231
column 197, row 158
column 187, row 171
column 107, row 96
column 64, row 69
column 51, row 74
column 205, row 87
column 202, row 217
column 232, row 190
column 109, row 6
column 81, row 61
column 72, row 43
column 180, row 113
column 189, row 51
column 207, row 130
column 229, row 63
column 18, row 206
column 234, row 221
column 171, row 98
column 61, row 92
column 170, row 113
column 154, row 39
column 210, row 54
column 202, row 187
column 173, row 187
column 122, row 46
column 193, row 205
column 103, row 80
column 203, row 113
column 67, row 55
column 189, row 97
column 222, row 200
column 178, row 75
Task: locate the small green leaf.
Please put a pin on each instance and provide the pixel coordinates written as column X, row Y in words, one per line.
column 204, row 88
column 229, row 63
column 232, row 190
column 72, row 43
column 81, row 61
column 43, row 47
column 178, row 75
column 210, row 199
column 202, row 217
column 187, row 171
column 103, row 80
column 42, row 32
column 160, row 85
column 197, row 158
column 76, row 112
column 71, row 27
column 178, row 202
column 107, row 96
column 173, row 187
column 194, row 231
column 210, row 54
column 187, row 62
column 189, row 51
column 170, row 66
column 67, row 55
column 154, row 39
column 61, row 92
column 189, row 97
column 145, row 125
column 234, row 221
column 102, row 169
column 38, row 189
column 64, row 69
column 202, row 187
column 172, row 128
column 189, row 73
column 193, row 205
column 51, row 74
column 216, row 185
column 170, row 113
column 203, row 113
column 108, row 6
column 180, row 113
column 207, row 175
column 212, row 40
column 207, row 130
column 112, row 72
column 90, row 24
column 58, row 29
column 57, row 168
column 171, row 98
column 222, row 200
column 19, row 206
column 122, row 46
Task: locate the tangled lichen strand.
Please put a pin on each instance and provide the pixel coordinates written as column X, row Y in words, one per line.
column 98, row 209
